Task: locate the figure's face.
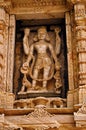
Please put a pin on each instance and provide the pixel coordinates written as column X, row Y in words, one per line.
column 27, row 31
column 41, row 34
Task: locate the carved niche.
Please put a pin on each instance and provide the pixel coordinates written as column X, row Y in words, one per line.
column 56, row 38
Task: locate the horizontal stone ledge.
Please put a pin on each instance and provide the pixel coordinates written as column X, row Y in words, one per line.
column 11, row 112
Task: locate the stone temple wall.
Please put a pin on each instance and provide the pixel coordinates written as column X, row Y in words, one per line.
column 17, row 110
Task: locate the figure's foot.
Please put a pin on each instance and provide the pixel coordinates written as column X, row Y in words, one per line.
column 58, row 90
column 44, row 89
column 22, row 90
column 30, row 89
column 37, row 88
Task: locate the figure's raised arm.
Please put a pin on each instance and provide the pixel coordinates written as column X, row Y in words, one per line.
column 26, row 40
column 58, row 41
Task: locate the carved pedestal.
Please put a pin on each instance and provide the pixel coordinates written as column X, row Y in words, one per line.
column 6, row 100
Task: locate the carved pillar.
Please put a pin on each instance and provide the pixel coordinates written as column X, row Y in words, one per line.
column 2, row 52
column 79, row 9
column 6, row 41
column 81, row 41
column 78, row 94
column 11, row 47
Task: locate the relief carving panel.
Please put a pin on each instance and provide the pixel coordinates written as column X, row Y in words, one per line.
column 36, row 59
column 41, row 61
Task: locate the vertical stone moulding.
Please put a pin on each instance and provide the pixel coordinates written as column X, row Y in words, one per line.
column 11, row 53
column 6, row 41
column 70, row 60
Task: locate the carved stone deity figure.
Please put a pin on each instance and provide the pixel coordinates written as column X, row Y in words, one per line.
column 41, row 58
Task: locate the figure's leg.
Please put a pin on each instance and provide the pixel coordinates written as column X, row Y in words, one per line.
column 23, row 82
column 45, row 75
column 22, row 89
column 35, row 75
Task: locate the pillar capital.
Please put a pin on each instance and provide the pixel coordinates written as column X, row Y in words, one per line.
column 80, row 14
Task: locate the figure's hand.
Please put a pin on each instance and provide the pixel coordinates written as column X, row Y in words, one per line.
column 25, row 65
column 57, row 66
column 57, row 30
column 27, row 31
column 24, row 68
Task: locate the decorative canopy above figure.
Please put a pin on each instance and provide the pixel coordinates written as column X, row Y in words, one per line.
column 42, row 64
